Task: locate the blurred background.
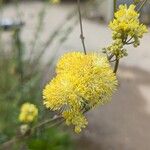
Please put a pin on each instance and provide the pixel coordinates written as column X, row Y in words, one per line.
column 33, row 35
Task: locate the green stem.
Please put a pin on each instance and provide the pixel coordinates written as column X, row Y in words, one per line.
column 19, row 49
column 115, row 6
column 46, row 122
column 110, row 57
column 142, row 5
column 116, row 65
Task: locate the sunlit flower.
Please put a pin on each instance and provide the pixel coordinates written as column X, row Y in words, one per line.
column 28, row 113
column 82, row 82
column 127, row 21
column 125, row 26
column 55, row 1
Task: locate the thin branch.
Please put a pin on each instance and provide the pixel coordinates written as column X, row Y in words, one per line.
column 115, row 6
column 55, row 124
column 129, row 39
column 110, row 57
column 31, row 131
column 116, row 65
column 46, row 122
column 81, row 27
column 128, row 43
column 112, row 60
column 12, row 141
column 142, row 5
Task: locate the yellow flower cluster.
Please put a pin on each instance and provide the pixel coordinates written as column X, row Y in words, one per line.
column 28, row 113
column 124, row 26
column 82, row 82
column 127, row 22
column 55, row 1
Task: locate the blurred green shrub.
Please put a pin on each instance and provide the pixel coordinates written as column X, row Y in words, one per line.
column 21, row 81
column 50, row 139
column 13, row 92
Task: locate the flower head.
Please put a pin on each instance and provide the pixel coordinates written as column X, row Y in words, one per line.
column 127, row 29
column 28, row 113
column 126, row 21
column 55, row 1
column 82, row 82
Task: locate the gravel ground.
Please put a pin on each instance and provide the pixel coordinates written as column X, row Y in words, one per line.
column 124, row 123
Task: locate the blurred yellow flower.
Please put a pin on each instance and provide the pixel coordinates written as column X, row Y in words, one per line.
column 28, row 113
column 55, row 1
column 82, row 82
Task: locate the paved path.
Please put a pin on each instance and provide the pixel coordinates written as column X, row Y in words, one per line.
column 123, row 124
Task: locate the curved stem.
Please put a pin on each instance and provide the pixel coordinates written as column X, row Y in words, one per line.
column 128, row 43
column 46, row 122
column 81, row 27
column 31, row 131
column 7, row 144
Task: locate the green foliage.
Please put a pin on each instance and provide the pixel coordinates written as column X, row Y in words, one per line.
column 50, row 139
column 136, row 1
column 20, row 81
column 14, row 92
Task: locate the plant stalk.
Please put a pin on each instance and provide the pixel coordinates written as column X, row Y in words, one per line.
column 81, row 27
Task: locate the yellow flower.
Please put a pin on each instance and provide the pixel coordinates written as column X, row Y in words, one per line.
column 76, row 118
column 125, row 26
column 89, row 73
column 55, row 1
column 82, row 82
column 28, row 113
column 126, row 22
